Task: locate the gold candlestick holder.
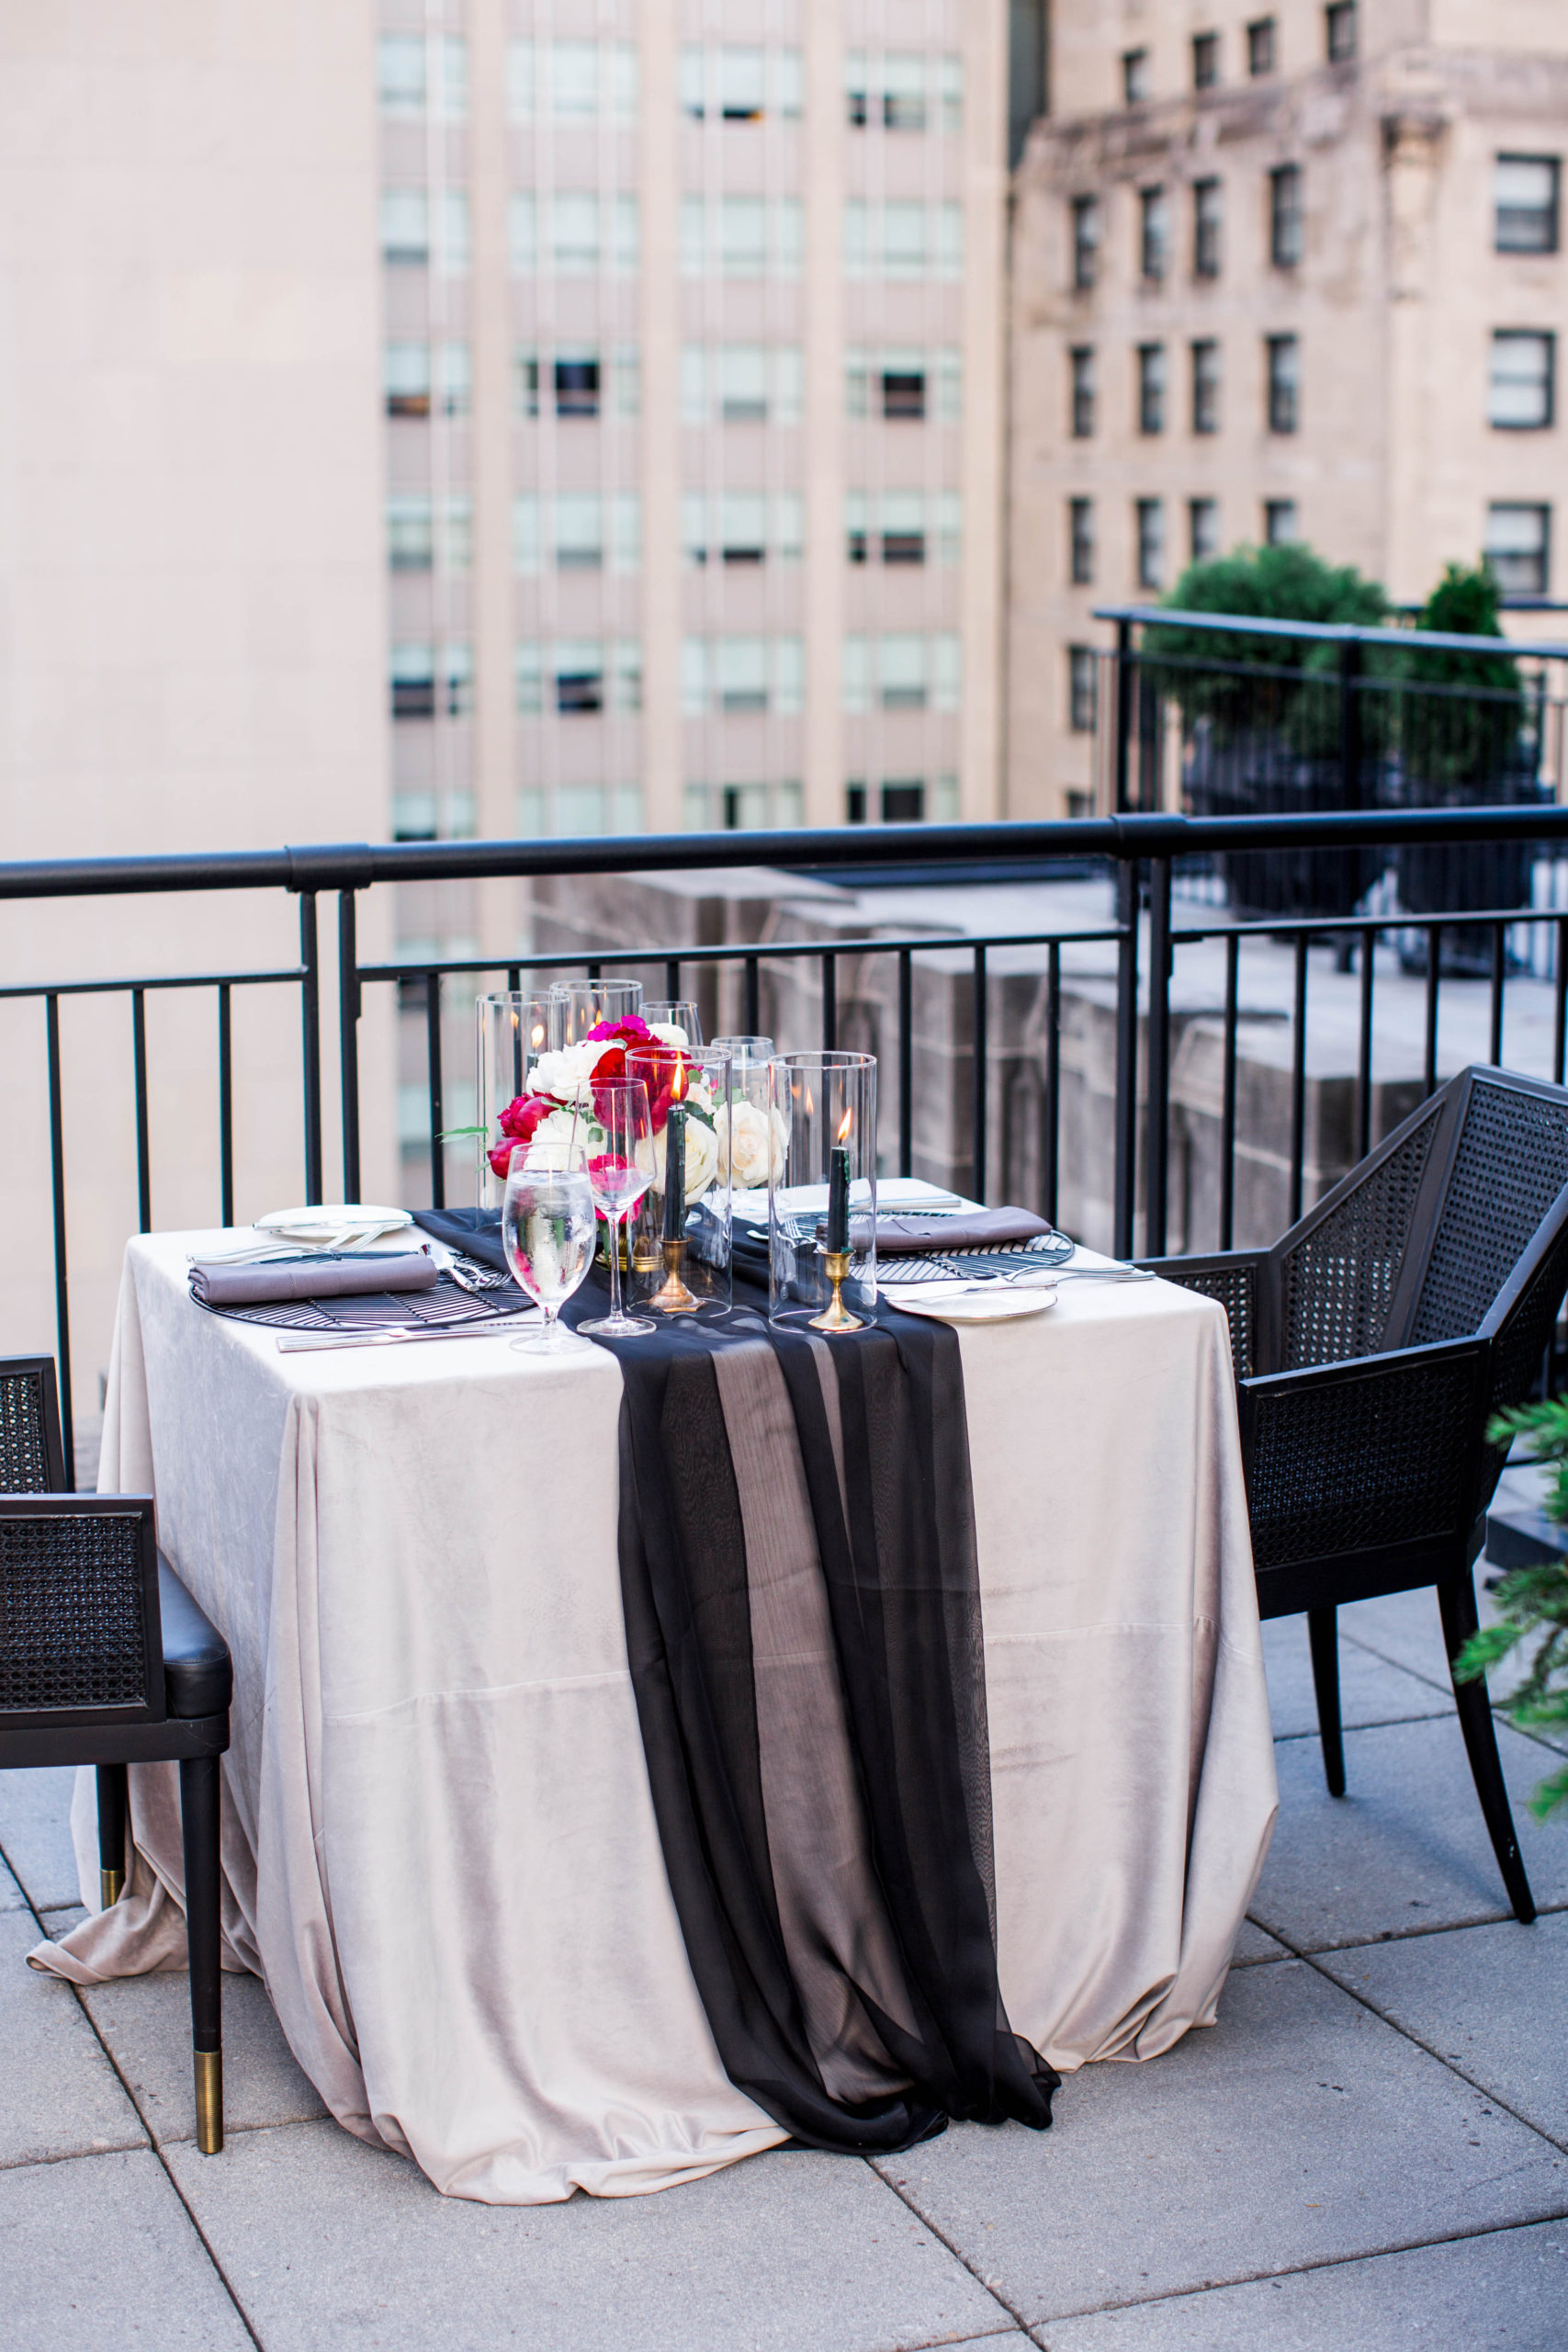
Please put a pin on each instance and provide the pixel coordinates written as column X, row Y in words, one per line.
column 673, row 1297
column 836, row 1315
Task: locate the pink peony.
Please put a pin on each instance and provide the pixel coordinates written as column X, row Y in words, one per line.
column 632, row 1031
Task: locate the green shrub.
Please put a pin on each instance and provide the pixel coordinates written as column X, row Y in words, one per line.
column 1533, row 1601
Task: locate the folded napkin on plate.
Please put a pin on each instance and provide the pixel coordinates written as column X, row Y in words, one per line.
column 966, row 1230
column 216, row 1285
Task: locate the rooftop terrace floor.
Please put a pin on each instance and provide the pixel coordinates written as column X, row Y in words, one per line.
column 1369, row 2151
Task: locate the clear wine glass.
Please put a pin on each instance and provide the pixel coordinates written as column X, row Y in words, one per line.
column 680, row 1012
column 547, row 1231
column 620, row 1169
column 579, row 1006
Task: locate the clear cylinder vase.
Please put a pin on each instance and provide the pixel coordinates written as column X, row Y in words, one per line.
column 680, row 1248
column 822, row 1191
column 511, row 1031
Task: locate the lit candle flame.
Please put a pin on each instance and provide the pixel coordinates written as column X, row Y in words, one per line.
column 845, row 1123
column 677, row 1082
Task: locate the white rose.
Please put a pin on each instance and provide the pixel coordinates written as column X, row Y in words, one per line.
column 745, row 1135
column 670, row 1033
column 552, row 1140
column 564, row 1074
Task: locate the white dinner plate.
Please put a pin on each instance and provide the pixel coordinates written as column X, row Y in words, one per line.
column 321, row 1224
column 991, row 1303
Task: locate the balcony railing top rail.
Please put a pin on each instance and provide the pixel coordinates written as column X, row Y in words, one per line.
column 1325, row 632
column 1133, row 835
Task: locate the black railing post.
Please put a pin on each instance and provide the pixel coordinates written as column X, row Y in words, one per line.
column 830, row 1003
column 311, row 1044
column 752, row 1022
column 143, row 1144
column 433, row 1066
column 1227, row 1099
column 1158, row 1112
column 226, row 1101
column 1126, row 667
column 61, row 1285
column 1349, row 724
column 1126, row 1057
column 981, row 1055
column 1298, row 1082
column 1053, row 1081
column 348, row 1010
column 905, row 1064
column 1364, row 1048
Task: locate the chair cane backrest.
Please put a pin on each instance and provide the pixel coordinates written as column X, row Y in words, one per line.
column 80, row 1631
column 1510, row 1161
column 1337, row 1277
column 32, row 1460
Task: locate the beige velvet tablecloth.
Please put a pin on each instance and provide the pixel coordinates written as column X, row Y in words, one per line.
column 439, row 1847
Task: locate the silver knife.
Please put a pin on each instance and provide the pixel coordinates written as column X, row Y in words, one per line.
column 292, row 1343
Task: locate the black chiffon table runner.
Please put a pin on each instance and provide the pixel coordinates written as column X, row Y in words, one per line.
column 801, row 1593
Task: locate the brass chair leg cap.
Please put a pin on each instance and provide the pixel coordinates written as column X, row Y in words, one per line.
column 112, row 1886
column 209, row 2101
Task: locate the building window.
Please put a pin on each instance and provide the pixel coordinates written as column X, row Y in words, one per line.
column 854, row 804
column 1150, row 518
column 578, row 527
column 1202, row 529
column 410, row 539
column 406, row 378
column 903, row 801
column 741, row 383
column 1339, row 31
column 1082, row 363
column 1205, row 61
column 1081, row 542
column 1285, row 215
column 1284, row 359
column 1081, row 689
column 1153, row 239
column 405, row 226
column 742, row 675
column 742, row 526
column 902, row 518
column 900, row 672
column 741, row 84
column 1086, row 243
column 415, row 671
column 1524, row 203
column 1522, row 391
column 1135, row 76
column 1151, row 387
column 1206, row 386
column 400, row 63
column 577, row 383
column 1206, row 228
column 1260, row 47
column 903, row 385
column 1279, row 525
column 1518, row 549
column 902, row 89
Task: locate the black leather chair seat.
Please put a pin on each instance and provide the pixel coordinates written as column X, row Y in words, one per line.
column 198, row 1675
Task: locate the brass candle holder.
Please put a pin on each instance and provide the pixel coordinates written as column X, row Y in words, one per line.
column 673, row 1297
column 836, row 1315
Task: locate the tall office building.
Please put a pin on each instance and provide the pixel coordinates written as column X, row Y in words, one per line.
column 694, row 330
column 1287, row 271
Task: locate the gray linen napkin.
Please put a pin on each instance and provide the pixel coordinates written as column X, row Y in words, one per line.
column 969, row 1230
column 218, row 1285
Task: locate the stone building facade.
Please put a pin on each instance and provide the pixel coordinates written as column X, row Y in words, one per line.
column 1277, row 270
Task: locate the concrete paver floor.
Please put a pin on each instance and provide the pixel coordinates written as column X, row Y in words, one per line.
column 1369, row 2151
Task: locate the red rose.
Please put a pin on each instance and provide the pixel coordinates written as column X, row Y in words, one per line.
column 610, row 1065
column 520, row 1117
column 500, row 1156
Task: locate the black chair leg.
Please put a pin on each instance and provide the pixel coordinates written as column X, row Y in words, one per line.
column 1323, row 1633
column 1457, row 1602
column 114, row 1817
column 198, row 1819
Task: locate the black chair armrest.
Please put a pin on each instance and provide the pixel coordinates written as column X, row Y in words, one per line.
column 1377, row 1451
column 198, row 1675
column 1232, row 1278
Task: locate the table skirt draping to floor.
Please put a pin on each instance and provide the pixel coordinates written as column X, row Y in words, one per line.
column 440, row 1852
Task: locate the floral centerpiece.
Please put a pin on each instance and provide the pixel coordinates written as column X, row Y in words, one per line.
column 558, row 1100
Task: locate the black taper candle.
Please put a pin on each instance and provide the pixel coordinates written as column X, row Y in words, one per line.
column 839, row 1198
column 675, row 1173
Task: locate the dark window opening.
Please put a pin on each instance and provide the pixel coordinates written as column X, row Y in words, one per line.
column 576, row 388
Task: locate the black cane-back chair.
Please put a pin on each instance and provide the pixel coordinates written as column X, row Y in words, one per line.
column 105, row 1659
column 1373, row 1344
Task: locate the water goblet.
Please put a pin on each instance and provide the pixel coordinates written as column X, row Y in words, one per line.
column 547, row 1232
column 676, row 1013
column 620, row 1169
column 579, row 1006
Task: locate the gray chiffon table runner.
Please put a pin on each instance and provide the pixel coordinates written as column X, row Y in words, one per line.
column 803, row 1625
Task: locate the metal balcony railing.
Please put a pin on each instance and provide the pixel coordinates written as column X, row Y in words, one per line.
column 1141, row 852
